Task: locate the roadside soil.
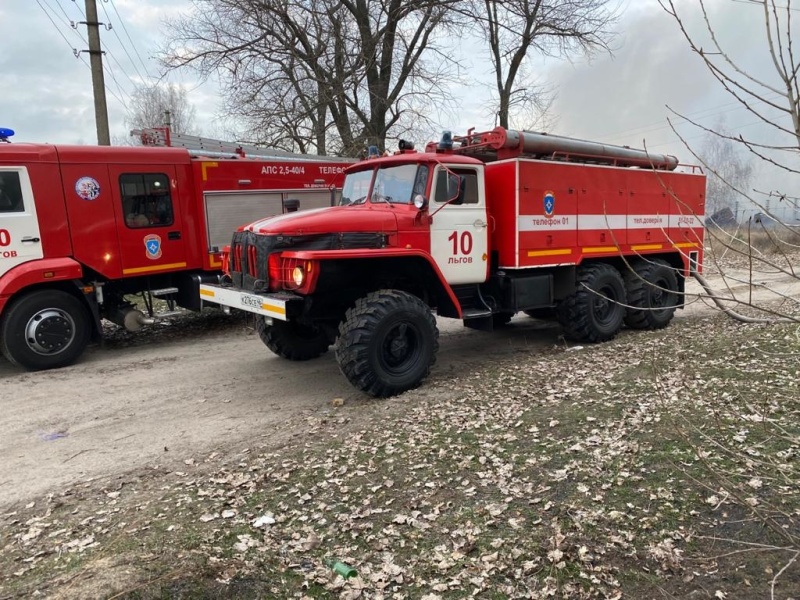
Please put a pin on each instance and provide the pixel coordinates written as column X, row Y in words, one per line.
column 205, row 383
column 162, row 396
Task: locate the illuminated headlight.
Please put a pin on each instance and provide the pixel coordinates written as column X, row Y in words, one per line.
column 298, row 276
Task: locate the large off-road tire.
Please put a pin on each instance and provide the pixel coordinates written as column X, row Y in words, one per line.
column 652, row 288
column 46, row 329
column 387, row 343
column 594, row 314
column 293, row 340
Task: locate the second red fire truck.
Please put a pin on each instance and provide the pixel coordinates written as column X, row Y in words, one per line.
column 83, row 228
column 477, row 228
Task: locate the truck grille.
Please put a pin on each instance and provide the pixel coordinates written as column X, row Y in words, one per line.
column 249, row 254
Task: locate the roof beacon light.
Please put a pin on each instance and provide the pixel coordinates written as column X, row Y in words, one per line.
column 446, row 143
column 5, row 133
column 373, row 152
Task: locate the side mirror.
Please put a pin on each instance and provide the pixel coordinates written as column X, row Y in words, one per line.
column 456, row 188
column 453, row 187
column 420, row 201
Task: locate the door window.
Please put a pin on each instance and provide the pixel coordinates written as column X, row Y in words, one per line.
column 10, row 193
column 146, row 200
column 443, row 191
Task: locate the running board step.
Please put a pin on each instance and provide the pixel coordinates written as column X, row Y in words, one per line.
column 164, row 291
column 476, row 313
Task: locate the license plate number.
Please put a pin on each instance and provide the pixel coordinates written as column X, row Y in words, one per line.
column 251, row 301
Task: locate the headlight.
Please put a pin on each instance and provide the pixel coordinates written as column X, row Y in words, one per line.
column 298, row 276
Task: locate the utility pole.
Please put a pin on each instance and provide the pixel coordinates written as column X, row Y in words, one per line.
column 98, row 81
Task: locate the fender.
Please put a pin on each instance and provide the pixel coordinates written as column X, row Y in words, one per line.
column 321, row 255
column 36, row 272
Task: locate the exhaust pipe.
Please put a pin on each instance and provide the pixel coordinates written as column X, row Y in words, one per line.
column 129, row 317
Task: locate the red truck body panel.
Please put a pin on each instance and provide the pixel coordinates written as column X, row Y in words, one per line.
column 93, row 230
column 595, row 211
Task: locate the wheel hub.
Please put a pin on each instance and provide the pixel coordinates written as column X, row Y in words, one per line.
column 50, row 331
column 602, row 305
column 399, row 345
column 658, row 296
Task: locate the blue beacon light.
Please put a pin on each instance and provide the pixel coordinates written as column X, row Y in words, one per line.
column 5, row 133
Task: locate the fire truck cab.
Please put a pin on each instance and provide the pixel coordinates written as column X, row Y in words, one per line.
column 478, row 228
column 84, row 227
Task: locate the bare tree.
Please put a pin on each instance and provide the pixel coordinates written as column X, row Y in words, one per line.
column 767, row 244
column 515, row 29
column 753, row 262
column 150, row 103
column 730, row 170
column 327, row 75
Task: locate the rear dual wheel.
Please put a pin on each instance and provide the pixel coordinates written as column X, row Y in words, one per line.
column 652, row 290
column 595, row 311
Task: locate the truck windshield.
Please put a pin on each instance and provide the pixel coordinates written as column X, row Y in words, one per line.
column 395, row 185
column 356, row 188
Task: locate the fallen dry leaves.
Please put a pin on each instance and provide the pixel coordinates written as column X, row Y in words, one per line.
column 597, row 473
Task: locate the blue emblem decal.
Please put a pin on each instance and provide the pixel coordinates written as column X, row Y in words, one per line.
column 549, row 203
column 152, row 244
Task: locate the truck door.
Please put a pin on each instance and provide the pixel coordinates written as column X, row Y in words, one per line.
column 20, row 238
column 459, row 228
column 150, row 223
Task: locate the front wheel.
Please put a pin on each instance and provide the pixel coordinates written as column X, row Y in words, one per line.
column 44, row 330
column 594, row 313
column 293, row 340
column 387, row 343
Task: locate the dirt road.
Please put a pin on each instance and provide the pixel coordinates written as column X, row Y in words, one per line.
column 163, row 397
column 170, row 394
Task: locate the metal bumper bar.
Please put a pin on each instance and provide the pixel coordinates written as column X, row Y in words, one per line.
column 267, row 305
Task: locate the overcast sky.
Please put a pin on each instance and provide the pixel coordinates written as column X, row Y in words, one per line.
column 621, row 99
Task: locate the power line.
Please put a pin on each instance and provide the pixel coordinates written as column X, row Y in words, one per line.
column 80, row 10
column 73, row 25
column 121, row 68
column 108, row 70
column 759, row 2
column 108, row 51
column 106, row 67
column 121, row 94
column 58, row 3
column 128, row 35
column 47, row 14
column 71, row 47
column 130, row 58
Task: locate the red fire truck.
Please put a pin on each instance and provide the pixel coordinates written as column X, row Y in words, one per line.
column 82, row 228
column 478, row 228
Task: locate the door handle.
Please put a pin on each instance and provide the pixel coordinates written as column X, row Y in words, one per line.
column 32, row 240
column 480, row 223
column 174, row 235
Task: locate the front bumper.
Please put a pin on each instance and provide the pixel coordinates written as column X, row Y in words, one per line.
column 275, row 305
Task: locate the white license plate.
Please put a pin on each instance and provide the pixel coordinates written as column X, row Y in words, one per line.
column 251, row 301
